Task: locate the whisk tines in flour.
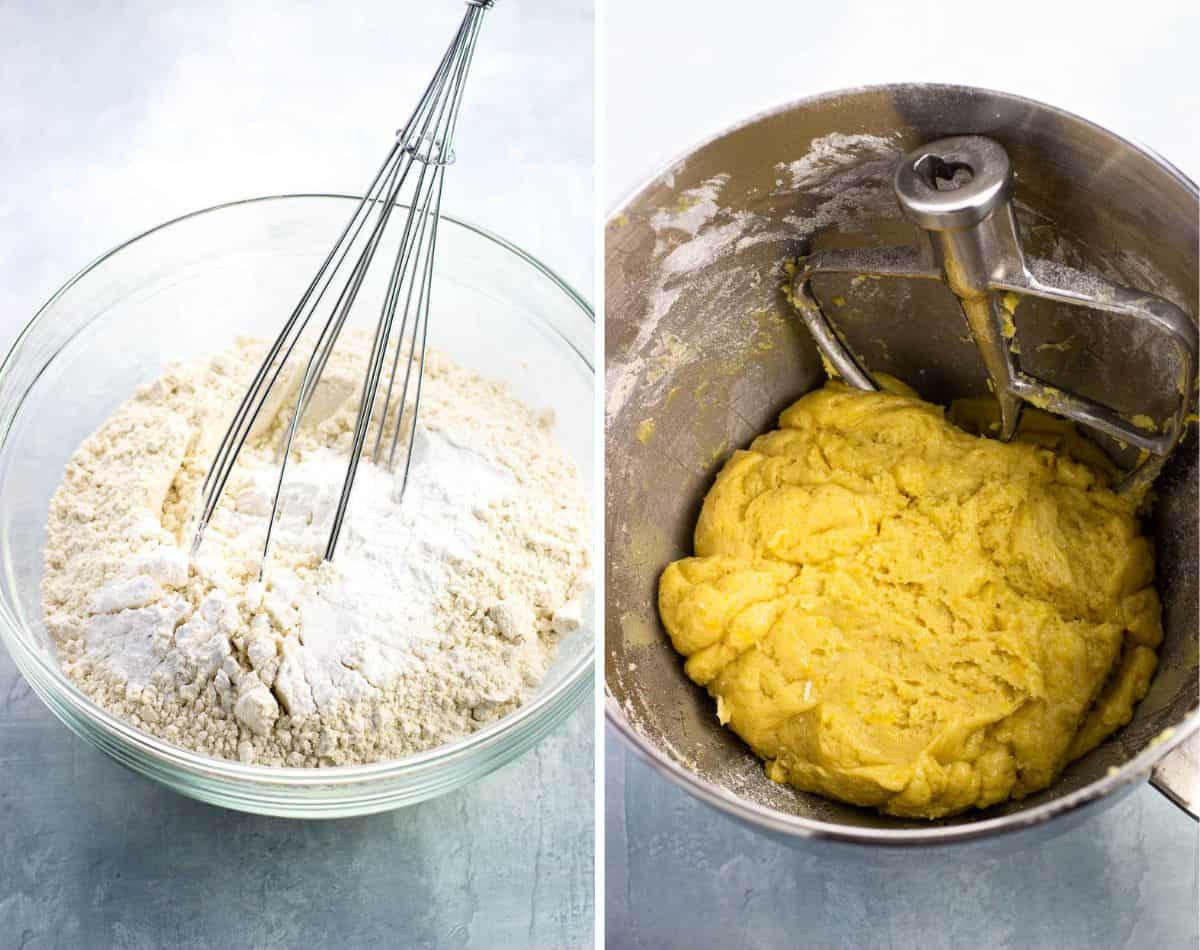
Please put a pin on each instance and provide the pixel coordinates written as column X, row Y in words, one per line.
column 411, row 179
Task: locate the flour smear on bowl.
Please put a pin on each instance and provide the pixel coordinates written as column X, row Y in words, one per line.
column 437, row 615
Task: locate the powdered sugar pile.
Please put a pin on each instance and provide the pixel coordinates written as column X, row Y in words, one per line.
column 436, row 615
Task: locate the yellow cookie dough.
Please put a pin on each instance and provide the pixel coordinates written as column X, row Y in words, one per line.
column 902, row 615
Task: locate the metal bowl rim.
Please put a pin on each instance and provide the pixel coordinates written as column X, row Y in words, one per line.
column 787, row 105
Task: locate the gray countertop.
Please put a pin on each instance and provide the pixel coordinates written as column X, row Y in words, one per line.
column 94, row 856
column 113, row 121
column 682, row 875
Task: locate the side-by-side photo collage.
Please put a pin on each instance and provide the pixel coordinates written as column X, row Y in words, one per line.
column 502, row 474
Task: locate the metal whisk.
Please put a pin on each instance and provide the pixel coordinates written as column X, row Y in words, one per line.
column 422, row 150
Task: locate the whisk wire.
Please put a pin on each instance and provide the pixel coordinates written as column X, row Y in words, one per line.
column 421, row 321
column 392, row 302
column 428, row 217
column 407, row 144
column 317, row 360
column 426, row 288
column 366, row 404
column 425, row 139
column 251, row 404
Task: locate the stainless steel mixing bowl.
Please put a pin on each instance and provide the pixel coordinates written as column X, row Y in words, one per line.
column 703, row 352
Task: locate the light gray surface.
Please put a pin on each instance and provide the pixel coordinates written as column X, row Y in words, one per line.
column 682, row 875
column 94, row 856
column 695, row 878
column 113, row 122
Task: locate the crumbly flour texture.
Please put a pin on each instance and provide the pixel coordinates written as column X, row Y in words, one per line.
column 437, row 614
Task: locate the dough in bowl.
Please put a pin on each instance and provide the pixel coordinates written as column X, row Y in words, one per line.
column 899, row 614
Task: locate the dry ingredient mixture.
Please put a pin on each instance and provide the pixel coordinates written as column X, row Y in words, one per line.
column 436, row 615
column 902, row 615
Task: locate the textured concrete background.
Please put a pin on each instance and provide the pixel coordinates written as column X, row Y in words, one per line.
column 113, row 121
column 682, row 875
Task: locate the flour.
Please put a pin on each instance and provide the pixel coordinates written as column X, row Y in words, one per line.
column 436, row 615
column 703, row 233
column 829, row 156
column 696, row 207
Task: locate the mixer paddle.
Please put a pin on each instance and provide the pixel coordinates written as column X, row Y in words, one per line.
column 959, row 191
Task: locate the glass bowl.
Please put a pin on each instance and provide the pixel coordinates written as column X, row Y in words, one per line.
column 186, row 289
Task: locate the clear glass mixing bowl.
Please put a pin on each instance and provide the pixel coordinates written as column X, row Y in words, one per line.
column 186, row 289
